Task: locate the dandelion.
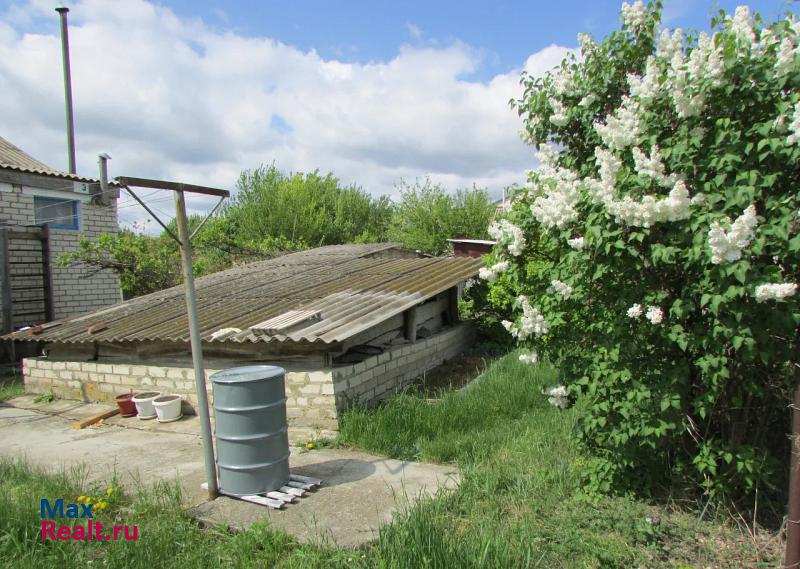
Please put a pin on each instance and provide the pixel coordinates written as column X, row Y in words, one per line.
column 778, row 291
column 101, row 506
column 80, row 498
column 109, row 491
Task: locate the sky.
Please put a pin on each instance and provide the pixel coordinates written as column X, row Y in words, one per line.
column 374, row 92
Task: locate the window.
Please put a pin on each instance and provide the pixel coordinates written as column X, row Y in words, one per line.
column 60, row 214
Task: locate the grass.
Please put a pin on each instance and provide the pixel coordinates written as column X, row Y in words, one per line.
column 10, row 383
column 519, row 504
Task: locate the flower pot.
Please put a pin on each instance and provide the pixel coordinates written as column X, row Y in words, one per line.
column 144, row 404
column 168, row 408
column 127, row 408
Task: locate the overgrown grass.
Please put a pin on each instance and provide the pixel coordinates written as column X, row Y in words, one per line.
column 519, row 504
column 10, row 383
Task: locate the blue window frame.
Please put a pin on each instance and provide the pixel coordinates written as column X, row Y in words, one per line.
column 58, row 213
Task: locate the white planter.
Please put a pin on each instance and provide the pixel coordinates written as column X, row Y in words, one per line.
column 168, row 408
column 144, row 404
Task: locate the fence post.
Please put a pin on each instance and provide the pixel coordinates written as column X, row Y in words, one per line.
column 5, row 283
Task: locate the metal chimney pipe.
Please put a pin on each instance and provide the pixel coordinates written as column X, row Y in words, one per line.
column 62, row 12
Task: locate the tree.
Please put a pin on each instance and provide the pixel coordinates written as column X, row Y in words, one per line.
column 654, row 253
column 305, row 209
column 426, row 216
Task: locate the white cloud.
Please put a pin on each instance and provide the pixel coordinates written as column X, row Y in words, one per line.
column 173, row 98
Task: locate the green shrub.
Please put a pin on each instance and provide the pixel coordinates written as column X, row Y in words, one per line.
column 654, row 253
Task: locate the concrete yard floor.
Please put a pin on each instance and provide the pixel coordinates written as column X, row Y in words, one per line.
column 360, row 492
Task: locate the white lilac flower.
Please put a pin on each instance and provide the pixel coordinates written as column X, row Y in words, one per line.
column 634, row 15
column 650, row 209
column 652, row 167
column 563, row 83
column 698, row 199
column 587, row 100
column 646, row 87
column 654, row 314
column 556, row 192
column 490, row 274
column 778, row 291
column 784, row 62
column 726, row 246
column 706, row 62
column 561, row 288
column 635, row 311
column 559, row 116
column 509, row 235
column 576, row 243
column 532, row 322
column 669, row 44
column 621, row 129
column 794, row 126
column 558, row 396
column 531, row 358
column 587, row 43
column 741, row 24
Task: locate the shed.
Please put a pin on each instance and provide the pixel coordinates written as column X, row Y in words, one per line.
column 350, row 323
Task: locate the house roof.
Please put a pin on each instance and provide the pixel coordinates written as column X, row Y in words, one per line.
column 13, row 158
column 322, row 295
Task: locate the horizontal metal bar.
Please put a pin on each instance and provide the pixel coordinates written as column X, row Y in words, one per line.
column 27, row 300
column 39, row 287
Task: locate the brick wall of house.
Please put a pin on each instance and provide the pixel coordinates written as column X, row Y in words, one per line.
column 76, row 289
column 314, row 398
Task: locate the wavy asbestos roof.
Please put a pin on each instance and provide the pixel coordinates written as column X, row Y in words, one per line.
column 330, row 294
column 14, row 158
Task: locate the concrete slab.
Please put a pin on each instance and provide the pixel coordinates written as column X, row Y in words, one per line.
column 361, row 492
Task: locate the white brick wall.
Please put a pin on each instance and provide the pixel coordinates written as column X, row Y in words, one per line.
column 75, row 289
column 314, row 398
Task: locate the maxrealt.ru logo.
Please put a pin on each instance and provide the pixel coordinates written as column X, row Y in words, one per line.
column 90, row 531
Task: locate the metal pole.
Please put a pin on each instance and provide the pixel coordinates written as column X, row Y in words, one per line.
column 792, row 555
column 197, row 348
column 62, row 12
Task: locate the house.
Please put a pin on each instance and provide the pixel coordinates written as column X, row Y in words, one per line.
column 43, row 214
column 350, row 323
column 471, row 247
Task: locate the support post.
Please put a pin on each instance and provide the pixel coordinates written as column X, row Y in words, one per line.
column 6, row 304
column 410, row 324
column 62, row 12
column 452, row 306
column 47, row 274
column 197, row 347
column 792, row 554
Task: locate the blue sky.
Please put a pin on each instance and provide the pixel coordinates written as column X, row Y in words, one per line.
column 375, row 92
column 506, row 31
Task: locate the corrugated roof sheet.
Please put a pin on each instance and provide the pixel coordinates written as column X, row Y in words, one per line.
column 13, row 158
column 350, row 287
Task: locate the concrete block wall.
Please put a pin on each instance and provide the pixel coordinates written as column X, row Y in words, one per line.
column 75, row 289
column 314, row 398
column 369, row 382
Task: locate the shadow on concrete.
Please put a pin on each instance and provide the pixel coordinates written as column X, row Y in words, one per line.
column 337, row 471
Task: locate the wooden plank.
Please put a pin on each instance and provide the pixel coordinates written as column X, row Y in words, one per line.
column 97, row 327
column 83, row 423
column 175, row 186
column 298, row 492
column 47, row 275
column 300, row 485
column 262, row 501
column 281, row 496
column 305, row 479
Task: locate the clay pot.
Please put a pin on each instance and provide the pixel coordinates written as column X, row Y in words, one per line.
column 144, row 404
column 127, row 408
column 168, row 408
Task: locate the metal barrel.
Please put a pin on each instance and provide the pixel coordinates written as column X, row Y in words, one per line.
column 251, row 432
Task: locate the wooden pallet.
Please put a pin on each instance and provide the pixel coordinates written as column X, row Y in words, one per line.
column 289, row 493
